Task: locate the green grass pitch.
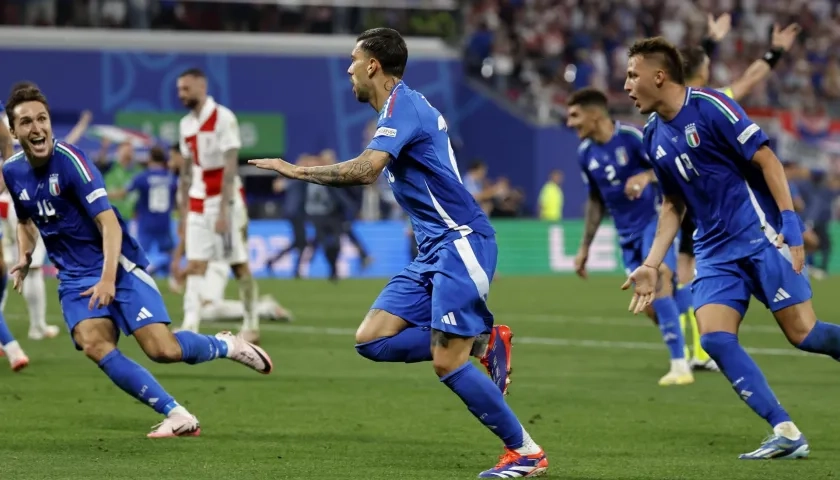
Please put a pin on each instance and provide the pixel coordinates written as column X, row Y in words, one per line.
column 584, row 386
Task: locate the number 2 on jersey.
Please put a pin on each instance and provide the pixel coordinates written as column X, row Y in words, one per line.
column 159, row 199
column 685, row 166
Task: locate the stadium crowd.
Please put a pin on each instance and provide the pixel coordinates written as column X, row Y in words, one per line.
column 537, row 52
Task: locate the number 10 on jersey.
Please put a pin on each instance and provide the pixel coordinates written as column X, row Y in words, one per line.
column 685, row 166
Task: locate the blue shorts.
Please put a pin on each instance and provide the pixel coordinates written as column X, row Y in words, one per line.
column 151, row 239
column 448, row 290
column 137, row 302
column 768, row 276
column 634, row 252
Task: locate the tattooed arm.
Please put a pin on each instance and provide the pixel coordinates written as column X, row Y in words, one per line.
column 593, row 215
column 362, row 170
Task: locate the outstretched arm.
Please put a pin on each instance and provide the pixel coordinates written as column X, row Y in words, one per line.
column 761, row 68
column 670, row 218
column 362, row 170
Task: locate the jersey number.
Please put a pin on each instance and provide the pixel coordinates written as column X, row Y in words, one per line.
column 685, row 166
column 610, row 172
column 45, row 209
column 159, row 201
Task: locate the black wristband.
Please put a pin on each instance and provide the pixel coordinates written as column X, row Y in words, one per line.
column 709, row 46
column 773, row 56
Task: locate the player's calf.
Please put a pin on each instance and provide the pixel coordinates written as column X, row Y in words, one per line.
column 804, row 331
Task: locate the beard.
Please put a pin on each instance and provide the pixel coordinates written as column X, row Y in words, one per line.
column 190, row 103
column 363, row 96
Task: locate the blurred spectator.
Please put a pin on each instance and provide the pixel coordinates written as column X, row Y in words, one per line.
column 507, row 201
column 476, row 183
column 117, row 174
column 558, row 46
column 550, row 202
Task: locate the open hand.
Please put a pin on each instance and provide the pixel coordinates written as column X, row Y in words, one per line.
column 644, row 281
column 277, row 164
column 101, row 294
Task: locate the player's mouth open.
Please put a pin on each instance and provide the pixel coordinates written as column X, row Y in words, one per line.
column 39, row 141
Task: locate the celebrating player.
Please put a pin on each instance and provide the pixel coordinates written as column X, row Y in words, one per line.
column 103, row 288
column 216, row 218
column 440, row 298
column 713, row 161
column 696, row 70
column 618, row 174
column 156, row 187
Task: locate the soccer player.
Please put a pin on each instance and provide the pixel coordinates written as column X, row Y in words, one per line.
column 103, row 288
column 439, row 300
column 8, row 345
column 214, row 208
column 155, row 188
column 696, row 69
column 216, row 308
column 712, row 161
column 618, row 174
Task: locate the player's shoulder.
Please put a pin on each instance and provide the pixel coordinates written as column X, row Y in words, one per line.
column 650, row 125
column 14, row 163
column 224, row 114
column 631, row 132
column 584, row 147
column 406, row 103
column 713, row 103
column 69, row 151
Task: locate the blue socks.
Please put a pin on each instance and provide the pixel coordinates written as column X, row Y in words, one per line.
column 486, row 403
column 136, row 381
column 683, row 298
column 668, row 317
column 824, row 338
column 198, row 348
column 5, row 335
column 746, row 378
column 414, row 344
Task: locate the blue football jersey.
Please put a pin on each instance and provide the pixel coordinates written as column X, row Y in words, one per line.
column 704, row 155
column 156, row 189
column 606, row 168
column 62, row 198
column 423, row 173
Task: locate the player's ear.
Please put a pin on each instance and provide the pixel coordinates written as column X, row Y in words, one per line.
column 659, row 78
column 372, row 67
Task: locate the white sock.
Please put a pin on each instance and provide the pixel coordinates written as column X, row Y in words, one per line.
column 222, row 310
column 680, row 365
column 12, row 348
column 192, row 302
column 179, row 410
column 34, row 292
column 529, row 446
column 249, row 296
column 787, row 430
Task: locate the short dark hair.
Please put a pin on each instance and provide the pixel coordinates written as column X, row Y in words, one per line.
column 665, row 52
column 23, row 92
column 476, row 165
column 192, row 72
column 388, row 47
column 693, row 58
column 588, row 97
column 157, row 154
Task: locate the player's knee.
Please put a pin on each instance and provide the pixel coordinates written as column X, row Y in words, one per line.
column 378, row 324
column 97, row 349
column 241, row 271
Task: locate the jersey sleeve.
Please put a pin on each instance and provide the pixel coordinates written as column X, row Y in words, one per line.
column 588, row 181
column 398, row 125
column 21, row 213
column 732, row 125
column 87, row 184
column 134, row 183
column 229, row 138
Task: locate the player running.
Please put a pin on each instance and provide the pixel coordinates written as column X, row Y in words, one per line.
column 155, row 187
column 216, row 218
column 618, row 173
column 440, row 298
column 696, row 62
column 713, row 161
column 103, row 288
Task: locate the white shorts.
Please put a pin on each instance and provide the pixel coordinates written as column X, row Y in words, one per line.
column 202, row 243
column 10, row 246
